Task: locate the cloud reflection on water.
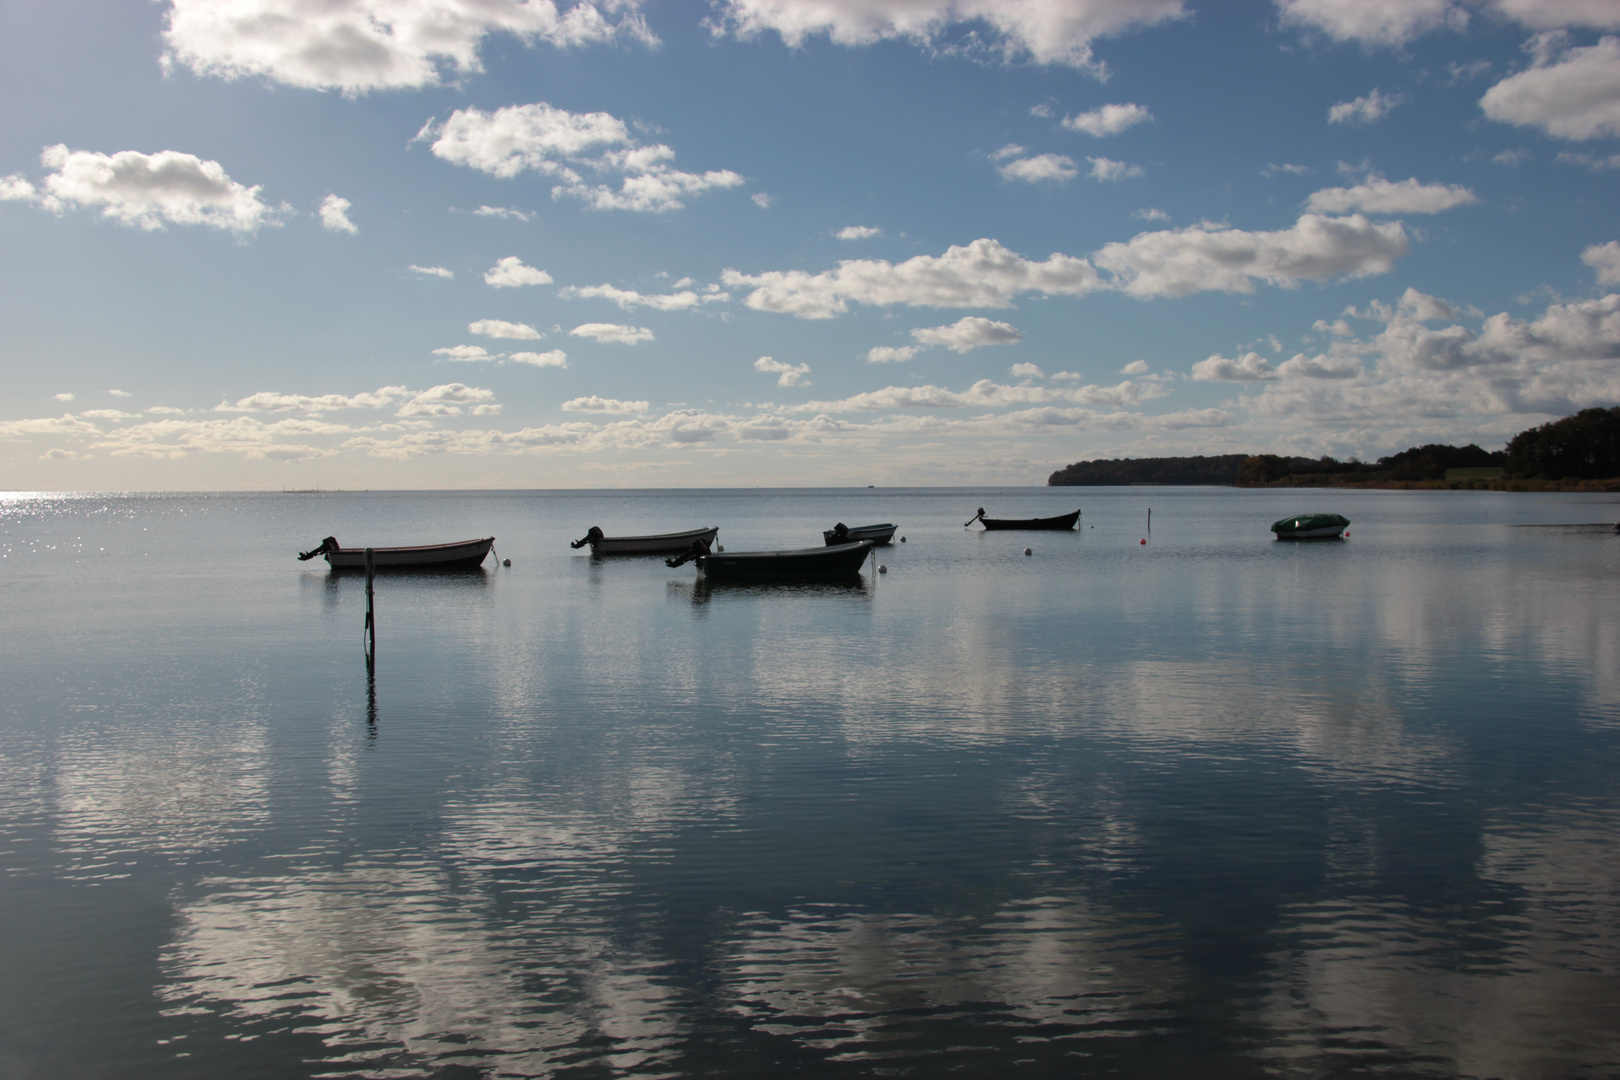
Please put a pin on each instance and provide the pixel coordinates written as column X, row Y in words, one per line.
column 1521, row 985
column 395, row 966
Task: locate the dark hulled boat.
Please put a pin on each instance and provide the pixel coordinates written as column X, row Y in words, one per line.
column 839, row 560
column 1061, row 522
column 460, row 555
column 844, row 534
column 1311, row 527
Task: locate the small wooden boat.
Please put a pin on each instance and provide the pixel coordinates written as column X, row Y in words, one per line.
column 1311, row 527
column 461, row 555
column 1063, row 521
column 662, row 544
column 844, row 534
column 838, row 560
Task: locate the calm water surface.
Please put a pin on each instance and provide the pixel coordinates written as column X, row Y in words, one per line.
column 1211, row 806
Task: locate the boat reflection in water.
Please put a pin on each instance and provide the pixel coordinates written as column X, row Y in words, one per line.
column 703, row 588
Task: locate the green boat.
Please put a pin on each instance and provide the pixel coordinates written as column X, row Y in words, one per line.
column 1311, row 527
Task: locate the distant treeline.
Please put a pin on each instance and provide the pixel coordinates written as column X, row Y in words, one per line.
column 1222, row 469
column 1575, row 450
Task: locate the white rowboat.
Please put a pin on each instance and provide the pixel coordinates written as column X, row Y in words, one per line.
column 661, row 544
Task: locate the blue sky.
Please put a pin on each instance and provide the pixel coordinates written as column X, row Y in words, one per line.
column 493, row 243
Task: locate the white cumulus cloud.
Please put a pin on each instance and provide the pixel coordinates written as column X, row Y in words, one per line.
column 1104, row 169
column 1209, row 257
column 1572, row 93
column 1394, row 23
column 1026, row 371
column 431, row 271
column 1041, row 167
column 1561, row 14
column 1368, row 109
column 787, row 374
column 858, row 232
column 497, row 328
column 890, row 354
column 16, row 188
column 1108, row 120
column 986, row 393
column 1323, row 366
column 553, row 358
column 1605, row 259
column 559, row 144
column 362, row 45
column 335, row 215
column 613, row 332
column 629, row 299
column 150, row 190
column 980, row 274
column 269, row 401
column 465, row 353
column 1379, row 196
column 505, row 212
column 510, row 273
column 1172, row 262
column 1389, row 23
column 1249, row 367
column 594, row 404
column 1046, row 31
column 969, row 333
column 446, row 400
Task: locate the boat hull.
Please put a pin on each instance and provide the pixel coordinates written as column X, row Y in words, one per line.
column 662, row 544
column 841, row 560
column 463, row 554
column 1063, row 522
column 878, row 534
column 1311, row 527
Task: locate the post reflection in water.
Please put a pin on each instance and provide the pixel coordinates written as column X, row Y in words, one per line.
column 1209, row 806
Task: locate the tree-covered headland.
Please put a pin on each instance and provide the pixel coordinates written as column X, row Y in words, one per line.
column 1580, row 452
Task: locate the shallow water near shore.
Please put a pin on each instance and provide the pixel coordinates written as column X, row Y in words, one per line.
column 1211, row 805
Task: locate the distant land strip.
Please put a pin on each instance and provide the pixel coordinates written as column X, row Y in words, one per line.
column 1577, row 453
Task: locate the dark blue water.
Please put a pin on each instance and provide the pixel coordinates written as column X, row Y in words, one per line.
column 1211, row 806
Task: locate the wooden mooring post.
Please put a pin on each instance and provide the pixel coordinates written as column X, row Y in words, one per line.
column 371, row 610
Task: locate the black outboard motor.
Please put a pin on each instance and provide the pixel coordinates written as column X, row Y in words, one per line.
column 594, row 534
column 841, row 531
column 698, row 549
column 329, row 544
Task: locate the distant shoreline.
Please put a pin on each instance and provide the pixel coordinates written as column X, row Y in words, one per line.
column 1502, row 484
